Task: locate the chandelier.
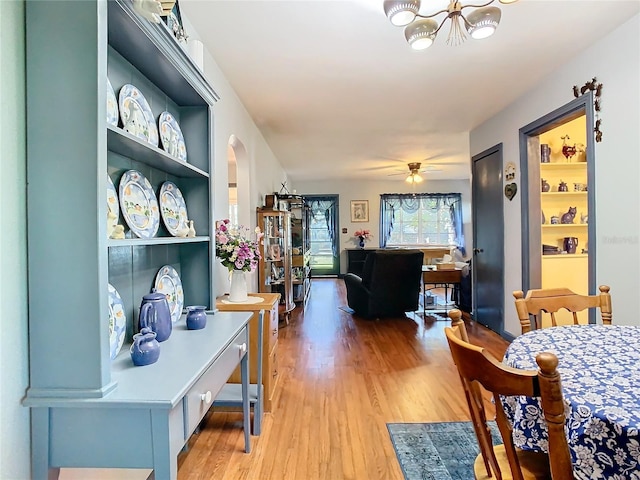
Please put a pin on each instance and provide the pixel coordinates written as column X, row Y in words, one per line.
column 421, row 30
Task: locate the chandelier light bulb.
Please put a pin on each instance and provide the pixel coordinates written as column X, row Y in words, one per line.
column 401, row 12
column 483, row 22
column 420, row 34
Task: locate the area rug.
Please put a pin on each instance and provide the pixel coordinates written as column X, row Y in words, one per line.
column 437, row 451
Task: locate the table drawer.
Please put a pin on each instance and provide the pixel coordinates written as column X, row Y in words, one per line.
column 271, row 321
column 199, row 398
column 271, row 379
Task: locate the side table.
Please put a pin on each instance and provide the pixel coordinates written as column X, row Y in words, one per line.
column 269, row 304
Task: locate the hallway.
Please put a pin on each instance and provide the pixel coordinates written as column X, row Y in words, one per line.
column 342, row 379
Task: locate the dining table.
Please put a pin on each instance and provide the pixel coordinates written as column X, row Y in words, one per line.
column 599, row 366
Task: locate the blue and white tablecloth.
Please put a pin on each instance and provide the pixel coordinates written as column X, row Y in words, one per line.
column 600, row 370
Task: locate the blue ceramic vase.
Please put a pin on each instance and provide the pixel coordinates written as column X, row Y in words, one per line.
column 145, row 349
column 196, row 317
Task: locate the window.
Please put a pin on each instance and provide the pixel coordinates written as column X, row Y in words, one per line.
column 421, row 219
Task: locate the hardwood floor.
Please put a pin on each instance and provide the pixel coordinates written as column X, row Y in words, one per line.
column 342, row 379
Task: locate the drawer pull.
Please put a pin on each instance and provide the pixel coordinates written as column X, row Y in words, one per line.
column 242, row 348
column 274, row 331
column 206, row 397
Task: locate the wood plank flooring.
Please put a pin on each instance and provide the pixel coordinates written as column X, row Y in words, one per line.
column 342, row 379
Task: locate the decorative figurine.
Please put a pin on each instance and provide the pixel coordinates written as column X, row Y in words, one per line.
column 545, row 186
column 192, row 230
column 183, row 232
column 112, row 218
column 562, row 187
column 545, row 153
column 555, row 220
column 568, row 150
column 118, row 232
column 569, row 216
column 584, row 218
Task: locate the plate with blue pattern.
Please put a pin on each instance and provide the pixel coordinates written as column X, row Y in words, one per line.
column 137, row 117
column 139, row 204
column 117, row 322
column 168, row 282
column 171, row 136
column 173, row 209
column 112, row 105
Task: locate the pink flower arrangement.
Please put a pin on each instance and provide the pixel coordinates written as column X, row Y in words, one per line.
column 363, row 234
column 234, row 248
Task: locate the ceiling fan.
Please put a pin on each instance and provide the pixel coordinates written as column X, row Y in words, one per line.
column 414, row 172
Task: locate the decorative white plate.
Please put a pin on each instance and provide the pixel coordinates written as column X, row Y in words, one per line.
column 168, row 282
column 112, row 105
column 113, row 209
column 171, row 136
column 173, row 209
column 137, row 117
column 117, row 322
column 139, row 204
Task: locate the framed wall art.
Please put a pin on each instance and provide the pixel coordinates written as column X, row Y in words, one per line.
column 359, row 210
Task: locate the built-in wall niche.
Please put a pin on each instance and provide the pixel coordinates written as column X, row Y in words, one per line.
column 558, row 204
column 565, row 176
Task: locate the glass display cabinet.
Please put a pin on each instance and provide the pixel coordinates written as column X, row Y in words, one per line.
column 300, row 246
column 274, row 270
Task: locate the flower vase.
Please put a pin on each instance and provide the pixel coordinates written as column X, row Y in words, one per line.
column 361, row 242
column 238, row 288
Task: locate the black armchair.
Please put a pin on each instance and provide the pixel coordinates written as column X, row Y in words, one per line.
column 389, row 286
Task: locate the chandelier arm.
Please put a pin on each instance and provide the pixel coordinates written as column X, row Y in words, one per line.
column 446, row 10
column 477, row 6
column 466, row 22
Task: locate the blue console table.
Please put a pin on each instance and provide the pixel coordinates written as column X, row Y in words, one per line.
column 148, row 417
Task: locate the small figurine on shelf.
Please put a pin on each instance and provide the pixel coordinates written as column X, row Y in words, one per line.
column 568, row 150
column 562, row 187
column 192, row 230
column 112, row 218
column 584, row 218
column 545, row 186
column 118, row 232
column 183, row 232
column 569, row 216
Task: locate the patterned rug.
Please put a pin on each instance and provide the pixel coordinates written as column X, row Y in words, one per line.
column 437, row 451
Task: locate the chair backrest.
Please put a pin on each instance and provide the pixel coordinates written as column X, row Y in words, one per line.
column 551, row 300
column 395, row 280
column 478, row 368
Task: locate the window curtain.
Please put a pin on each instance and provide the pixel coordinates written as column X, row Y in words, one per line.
column 324, row 209
column 410, row 203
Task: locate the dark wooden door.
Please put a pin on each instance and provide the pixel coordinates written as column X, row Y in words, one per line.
column 488, row 239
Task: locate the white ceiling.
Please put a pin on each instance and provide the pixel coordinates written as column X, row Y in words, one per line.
column 338, row 93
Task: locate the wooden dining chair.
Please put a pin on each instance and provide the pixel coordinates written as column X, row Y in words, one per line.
column 551, row 300
column 479, row 370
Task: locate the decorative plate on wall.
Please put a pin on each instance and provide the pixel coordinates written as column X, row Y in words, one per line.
column 137, row 117
column 112, row 105
column 117, row 322
column 173, row 209
column 139, row 204
column 113, row 209
column 171, row 136
column 168, row 282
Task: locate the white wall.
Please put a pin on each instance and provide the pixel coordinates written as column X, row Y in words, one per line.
column 14, row 418
column 258, row 170
column 371, row 190
column 615, row 61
